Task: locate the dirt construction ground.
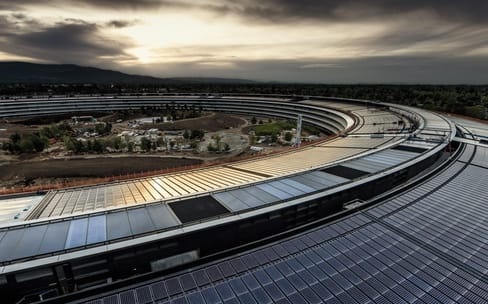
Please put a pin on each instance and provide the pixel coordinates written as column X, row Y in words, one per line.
column 25, row 172
column 47, row 168
column 210, row 123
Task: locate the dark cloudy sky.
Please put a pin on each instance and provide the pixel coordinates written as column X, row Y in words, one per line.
column 321, row 41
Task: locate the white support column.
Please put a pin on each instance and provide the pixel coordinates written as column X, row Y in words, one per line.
column 299, row 131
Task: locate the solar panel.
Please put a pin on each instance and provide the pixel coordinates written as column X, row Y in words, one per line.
column 225, row 292
column 211, row 295
column 214, row 273
column 143, row 295
column 111, row 300
column 128, row 297
column 173, row 286
column 238, row 286
column 187, row 282
column 159, row 290
column 195, row 297
column 201, row 277
column 226, row 269
column 422, row 245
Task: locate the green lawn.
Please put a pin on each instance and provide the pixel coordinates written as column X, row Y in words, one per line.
column 273, row 128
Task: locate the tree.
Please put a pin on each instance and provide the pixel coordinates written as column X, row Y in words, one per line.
column 98, row 146
column 288, row 136
column 186, row 134
column 79, row 146
column 274, row 137
column 217, row 142
column 39, row 142
column 117, row 143
column 476, row 111
column 161, row 142
column 108, row 128
column 26, row 145
column 89, row 146
column 254, row 120
column 199, row 134
column 145, row 144
column 15, row 138
column 252, row 139
column 68, row 143
column 6, row 146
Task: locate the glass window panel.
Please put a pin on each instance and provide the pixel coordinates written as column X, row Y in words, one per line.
column 97, row 229
column 9, row 243
column 77, row 233
column 117, row 225
column 230, row 201
column 140, row 221
column 284, row 187
column 295, row 184
column 31, row 242
column 273, row 191
column 162, row 216
column 55, row 237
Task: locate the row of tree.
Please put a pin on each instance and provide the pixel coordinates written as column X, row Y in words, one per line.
column 97, row 145
column 27, row 143
column 193, row 134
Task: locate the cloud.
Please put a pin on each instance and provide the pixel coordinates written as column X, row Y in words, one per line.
column 331, row 40
column 372, row 70
column 124, row 4
column 468, row 11
column 322, row 66
column 69, row 41
column 289, row 11
column 121, row 23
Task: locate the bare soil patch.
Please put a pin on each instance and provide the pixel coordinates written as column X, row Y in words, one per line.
column 27, row 172
column 210, row 123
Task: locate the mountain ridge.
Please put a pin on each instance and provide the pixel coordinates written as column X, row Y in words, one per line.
column 31, row 73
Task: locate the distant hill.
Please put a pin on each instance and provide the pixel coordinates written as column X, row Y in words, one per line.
column 29, row 73
column 214, row 80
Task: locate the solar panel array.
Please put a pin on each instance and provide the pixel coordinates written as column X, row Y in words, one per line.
column 122, row 223
column 380, row 161
column 426, row 245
